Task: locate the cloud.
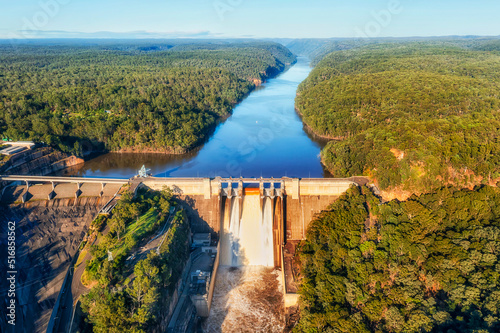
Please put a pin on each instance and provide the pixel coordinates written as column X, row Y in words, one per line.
column 117, row 35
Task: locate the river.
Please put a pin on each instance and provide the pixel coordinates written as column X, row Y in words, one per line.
column 264, row 137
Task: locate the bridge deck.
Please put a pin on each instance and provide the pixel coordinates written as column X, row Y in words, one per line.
column 207, row 187
column 48, row 179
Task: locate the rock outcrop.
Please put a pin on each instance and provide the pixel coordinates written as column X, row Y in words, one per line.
column 47, row 238
column 39, row 162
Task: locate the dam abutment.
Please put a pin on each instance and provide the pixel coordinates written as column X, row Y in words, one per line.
column 255, row 220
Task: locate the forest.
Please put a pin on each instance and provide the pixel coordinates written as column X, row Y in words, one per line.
column 412, row 116
column 128, row 295
column 128, row 96
column 428, row 264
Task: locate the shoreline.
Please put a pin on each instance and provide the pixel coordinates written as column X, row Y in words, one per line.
column 171, row 151
column 311, row 131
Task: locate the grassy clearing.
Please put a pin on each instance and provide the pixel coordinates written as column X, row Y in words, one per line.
column 136, row 231
column 81, row 256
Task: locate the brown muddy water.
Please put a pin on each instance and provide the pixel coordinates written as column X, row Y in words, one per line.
column 246, row 299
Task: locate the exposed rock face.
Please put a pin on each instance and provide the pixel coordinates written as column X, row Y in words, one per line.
column 47, row 237
column 39, row 162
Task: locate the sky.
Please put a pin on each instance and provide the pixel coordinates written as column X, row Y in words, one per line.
column 247, row 18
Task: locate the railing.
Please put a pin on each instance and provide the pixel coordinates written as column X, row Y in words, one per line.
column 49, row 179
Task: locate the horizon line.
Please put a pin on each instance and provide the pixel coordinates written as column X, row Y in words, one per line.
column 201, row 37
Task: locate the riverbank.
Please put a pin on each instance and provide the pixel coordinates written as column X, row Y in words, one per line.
column 89, row 151
column 314, row 133
column 263, row 136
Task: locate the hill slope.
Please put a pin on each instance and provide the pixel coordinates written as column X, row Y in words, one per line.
column 430, row 264
column 126, row 96
column 411, row 116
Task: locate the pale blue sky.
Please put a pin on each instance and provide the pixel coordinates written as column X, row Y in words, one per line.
column 247, row 18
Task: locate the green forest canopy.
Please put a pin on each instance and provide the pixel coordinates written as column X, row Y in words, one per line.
column 418, row 115
column 429, row 264
column 121, row 97
column 133, row 297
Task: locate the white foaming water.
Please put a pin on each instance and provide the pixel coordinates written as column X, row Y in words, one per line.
column 246, row 299
column 248, row 296
column 267, row 251
column 234, row 245
column 248, row 241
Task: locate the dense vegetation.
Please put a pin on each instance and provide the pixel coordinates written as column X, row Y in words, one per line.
column 156, row 97
column 131, row 296
column 317, row 49
column 414, row 116
column 429, row 264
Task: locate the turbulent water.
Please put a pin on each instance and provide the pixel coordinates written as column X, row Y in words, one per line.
column 248, row 293
column 247, row 238
column 246, row 299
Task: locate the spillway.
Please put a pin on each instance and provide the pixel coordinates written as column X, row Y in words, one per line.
column 248, row 296
column 247, row 233
column 254, row 218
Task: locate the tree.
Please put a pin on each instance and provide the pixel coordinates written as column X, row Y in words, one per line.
column 118, row 225
column 423, row 265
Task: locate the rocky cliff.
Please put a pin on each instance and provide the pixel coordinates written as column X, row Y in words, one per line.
column 47, row 237
column 39, row 162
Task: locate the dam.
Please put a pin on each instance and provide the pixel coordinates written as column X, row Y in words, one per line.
column 230, row 208
column 252, row 217
column 259, row 222
column 255, row 220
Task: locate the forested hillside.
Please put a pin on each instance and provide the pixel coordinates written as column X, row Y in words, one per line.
column 130, row 295
column 148, row 97
column 429, row 264
column 317, row 49
column 411, row 116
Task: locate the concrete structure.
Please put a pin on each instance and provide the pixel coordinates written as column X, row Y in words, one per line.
column 26, row 144
column 196, row 289
column 51, row 179
column 294, row 202
column 202, row 240
column 11, row 150
column 301, row 198
column 59, row 186
column 15, row 147
column 289, row 204
column 297, row 200
column 239, row 213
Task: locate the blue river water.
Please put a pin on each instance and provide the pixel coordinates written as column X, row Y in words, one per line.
column 264, row 137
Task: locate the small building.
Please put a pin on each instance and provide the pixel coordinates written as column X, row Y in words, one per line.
column 199, row 280
column 199, row 291
column 202, row 240
column 198, row 285
column 16, row 147
column 12, row 150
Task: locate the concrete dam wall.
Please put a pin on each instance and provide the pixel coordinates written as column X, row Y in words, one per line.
column 247, row 235
column 258, row 223
column 253, row 218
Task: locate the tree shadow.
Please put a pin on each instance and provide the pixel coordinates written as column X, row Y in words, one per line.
column 199, row 224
